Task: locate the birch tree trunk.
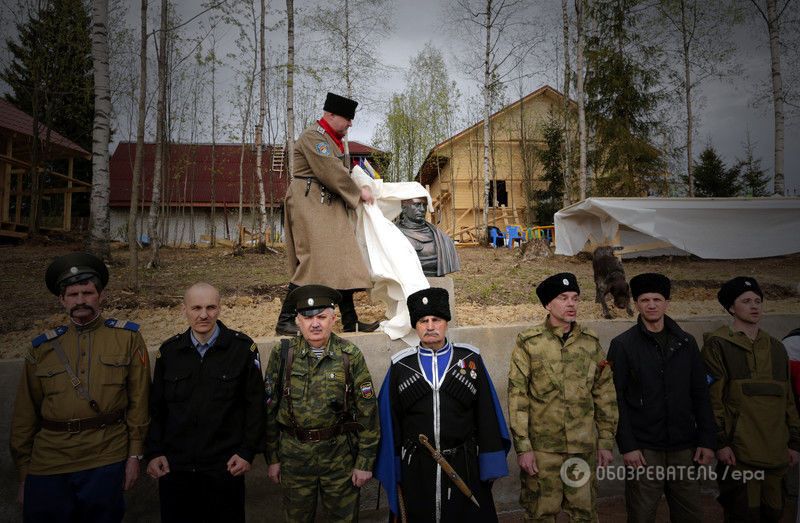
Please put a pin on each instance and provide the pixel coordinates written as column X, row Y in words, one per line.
column 262, row 109
column 773, row 27
column 100, row 228
column 567, row 139
column 158, row 168
column 579, row 94
column 213, row 225
column 687, row 79
column 348, row 79
column 133, row 245
column 484, row 232
column 290, row 87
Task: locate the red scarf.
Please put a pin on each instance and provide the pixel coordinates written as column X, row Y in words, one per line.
column 328, row 129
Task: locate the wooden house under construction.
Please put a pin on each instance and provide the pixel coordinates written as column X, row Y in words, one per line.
column 55, row 174
column 453, row 170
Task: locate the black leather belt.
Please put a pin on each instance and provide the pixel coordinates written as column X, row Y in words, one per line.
column 304, row 435
column 73, row 426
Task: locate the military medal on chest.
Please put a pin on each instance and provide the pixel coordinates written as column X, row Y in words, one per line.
column 462, row 366
column 472, row 373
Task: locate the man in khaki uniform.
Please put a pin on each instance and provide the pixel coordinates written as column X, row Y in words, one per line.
column 562, row 408
column 80, row 416
column 321, row 245
column 754, row 407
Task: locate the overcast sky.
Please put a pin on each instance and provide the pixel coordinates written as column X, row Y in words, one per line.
column 724, row 110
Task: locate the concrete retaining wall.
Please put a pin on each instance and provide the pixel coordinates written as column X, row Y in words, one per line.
column 263, row 498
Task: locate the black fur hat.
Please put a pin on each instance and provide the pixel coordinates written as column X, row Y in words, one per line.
column 650, row 282
column 555, row 285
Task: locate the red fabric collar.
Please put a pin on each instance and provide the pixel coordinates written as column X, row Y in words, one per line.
column 331, row 133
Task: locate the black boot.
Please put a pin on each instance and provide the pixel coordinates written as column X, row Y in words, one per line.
column 286, row 325
column 350, row 321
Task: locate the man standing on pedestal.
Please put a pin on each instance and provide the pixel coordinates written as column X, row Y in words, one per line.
column 321, row 245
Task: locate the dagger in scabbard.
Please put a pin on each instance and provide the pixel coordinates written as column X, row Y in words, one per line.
column 448, row 469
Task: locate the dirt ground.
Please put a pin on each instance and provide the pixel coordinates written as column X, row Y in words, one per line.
column 494, row 286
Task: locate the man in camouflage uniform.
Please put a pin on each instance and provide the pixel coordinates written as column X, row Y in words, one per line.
column 80, row 416
column 322, row 425
column 562, row 408
column 759, row 430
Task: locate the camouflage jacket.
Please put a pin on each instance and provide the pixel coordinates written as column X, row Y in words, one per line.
column 317, row 392
column 110, row 358
column 751, row 396
column 561, row 394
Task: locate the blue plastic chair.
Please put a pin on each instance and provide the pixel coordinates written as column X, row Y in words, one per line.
column 513, row 232
column 494, row 236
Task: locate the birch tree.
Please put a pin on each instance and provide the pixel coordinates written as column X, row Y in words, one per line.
column 771, row 14
column 289, row 86
column 581, row 96
column 100, row 222
column 566, row 106
column 161, row 116
column 262, row 110
column 504, row 42
column 133, row 244
column 702, row 47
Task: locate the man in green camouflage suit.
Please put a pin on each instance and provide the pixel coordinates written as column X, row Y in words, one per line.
column 322, row 425
column 562, row 408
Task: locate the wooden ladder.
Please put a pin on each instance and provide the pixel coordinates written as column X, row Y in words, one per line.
column 278, row 156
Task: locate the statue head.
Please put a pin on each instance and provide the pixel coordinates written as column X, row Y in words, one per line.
column 413, row 211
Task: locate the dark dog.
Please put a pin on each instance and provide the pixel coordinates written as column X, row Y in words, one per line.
column 609, row 278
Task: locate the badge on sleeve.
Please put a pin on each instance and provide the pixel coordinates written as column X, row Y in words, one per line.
column 366, row 390
column 323, row 149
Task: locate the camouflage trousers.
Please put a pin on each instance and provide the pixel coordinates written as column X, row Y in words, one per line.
column 546, row 494
column 756, row 499
column 321, row 468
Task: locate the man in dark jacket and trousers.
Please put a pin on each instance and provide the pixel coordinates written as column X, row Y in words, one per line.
column 665, row 418
column 440, row 389
column 207, row 415
column 759, row 430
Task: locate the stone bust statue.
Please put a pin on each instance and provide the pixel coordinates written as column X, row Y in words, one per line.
column 435, row 249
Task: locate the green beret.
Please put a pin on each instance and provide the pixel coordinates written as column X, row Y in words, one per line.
column 74, row 268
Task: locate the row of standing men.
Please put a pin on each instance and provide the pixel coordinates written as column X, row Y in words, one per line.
column 82, row 419
column 86, row 414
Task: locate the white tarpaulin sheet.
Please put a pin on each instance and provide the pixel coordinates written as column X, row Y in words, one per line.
column 393, row 263
column 713, row 228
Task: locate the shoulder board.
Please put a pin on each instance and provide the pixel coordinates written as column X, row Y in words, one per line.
column 49, row 335
column 397, row 356
column 170, row 341
column 589, row 332
column 531, row 333
column 122, row 324
column 467, row 346
column 320, row 129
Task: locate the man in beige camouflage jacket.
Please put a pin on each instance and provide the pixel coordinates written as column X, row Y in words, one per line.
column 562, row 408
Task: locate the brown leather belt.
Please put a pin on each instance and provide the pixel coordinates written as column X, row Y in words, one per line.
column 74, row 426
column 304, row 435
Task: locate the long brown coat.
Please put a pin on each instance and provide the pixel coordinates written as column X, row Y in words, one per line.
column 321, row 244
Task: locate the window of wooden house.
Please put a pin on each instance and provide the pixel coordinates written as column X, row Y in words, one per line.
column 502, row 194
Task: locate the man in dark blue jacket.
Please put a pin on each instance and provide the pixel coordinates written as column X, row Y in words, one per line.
column 665, row 418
